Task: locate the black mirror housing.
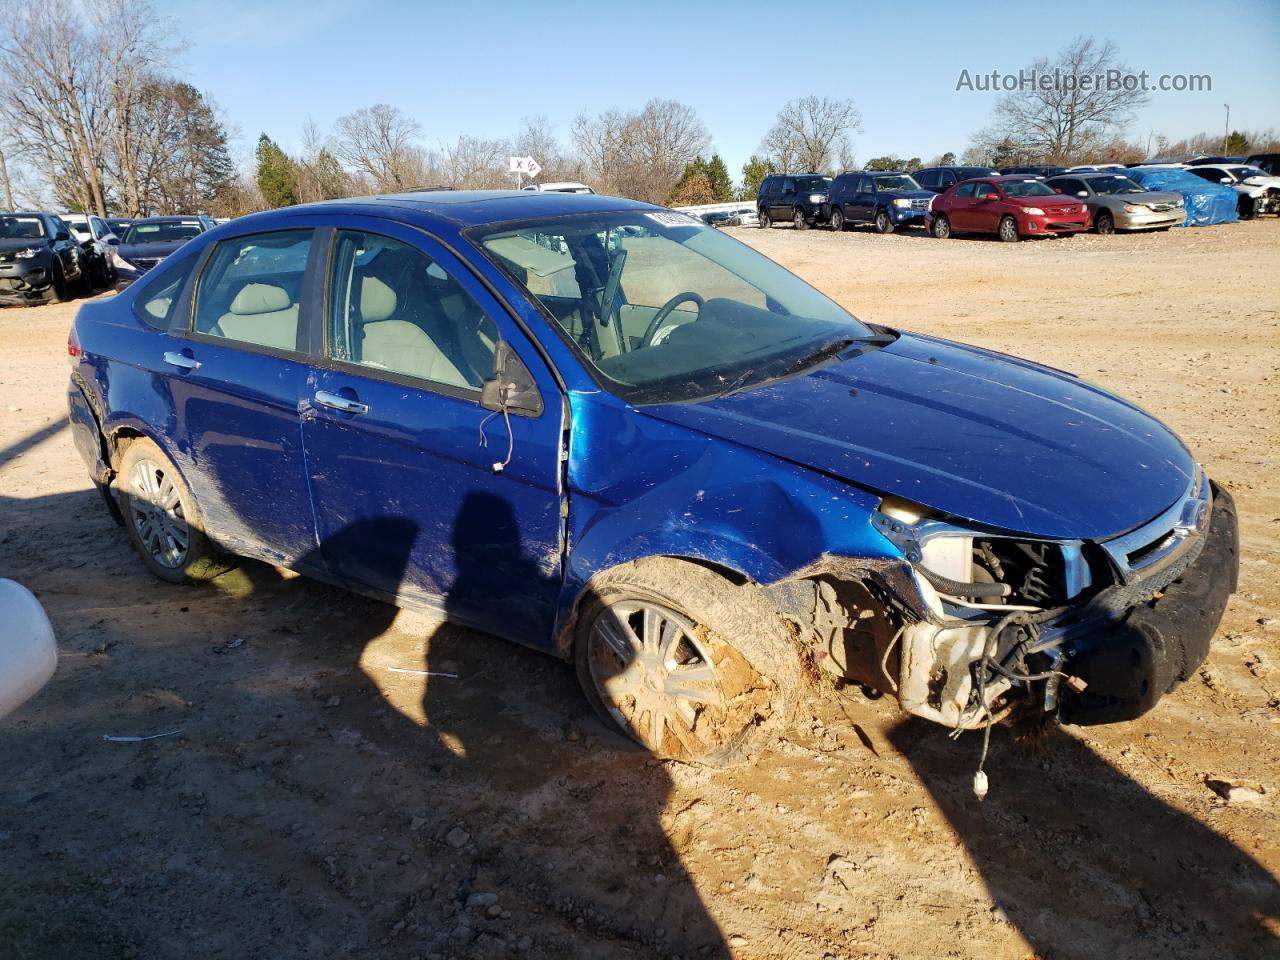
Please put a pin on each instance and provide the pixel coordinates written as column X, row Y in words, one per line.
column 511, row 387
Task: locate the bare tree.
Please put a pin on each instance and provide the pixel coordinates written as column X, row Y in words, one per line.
column 378, row 143
column 643, row 154
column 473, row 163
column 1065, row 121
column 811, row 133
column 536, row 139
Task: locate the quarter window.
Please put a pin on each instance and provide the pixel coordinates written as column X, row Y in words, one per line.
column 252, row 287
column 155, row 305
column 393, row 308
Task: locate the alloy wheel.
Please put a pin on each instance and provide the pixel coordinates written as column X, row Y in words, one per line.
column 1105, row 223
column 656, row 675
column 155, row 510
column 837, row 220
column 1008, row 230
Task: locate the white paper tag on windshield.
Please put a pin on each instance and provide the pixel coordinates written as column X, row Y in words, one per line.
column 672, row 219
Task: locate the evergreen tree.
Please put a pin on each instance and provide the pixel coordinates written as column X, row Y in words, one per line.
column 718, row 174
column 275, row 174
column 1237, row 144
column 753, row 173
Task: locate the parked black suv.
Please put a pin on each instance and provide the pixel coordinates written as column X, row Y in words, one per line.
column 1269, row 162
column 885, row 199
column 1034, row 170
column 938, row 179
column 799, row 197
column 40, row 260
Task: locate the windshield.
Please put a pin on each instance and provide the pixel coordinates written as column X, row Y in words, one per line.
column 900, row 182
column 972, row 173
column 1026, row 188
column 1114, row 185
column 662, row 308
column 1244, row 173
column 816, row 184
column 21, row 228
column 164, row 232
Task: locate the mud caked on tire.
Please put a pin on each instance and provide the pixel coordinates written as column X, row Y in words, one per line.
column 691, row 666
column 162, row 518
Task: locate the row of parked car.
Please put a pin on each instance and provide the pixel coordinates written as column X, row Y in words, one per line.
column 52, row 257
column 1023, row 202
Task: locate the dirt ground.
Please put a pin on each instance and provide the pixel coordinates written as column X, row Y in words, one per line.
column 318, row 803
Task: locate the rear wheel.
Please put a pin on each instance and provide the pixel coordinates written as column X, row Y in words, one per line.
column 798, row 220
column 162, row 518
column 1104, row 222
column 1008, row 229
column 684, row 662
column 764, row 223
column 837, row 219
column 941, row 226
column 883, row 223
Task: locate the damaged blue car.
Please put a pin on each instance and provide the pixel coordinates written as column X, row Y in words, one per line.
column 610, row 432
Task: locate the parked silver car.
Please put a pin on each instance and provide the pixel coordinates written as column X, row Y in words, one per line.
column 1117, row 203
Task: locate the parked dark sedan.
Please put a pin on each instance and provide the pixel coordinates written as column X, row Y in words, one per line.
column 939, row 179
column 609, row 431
column 40, row 260
column 146, row 242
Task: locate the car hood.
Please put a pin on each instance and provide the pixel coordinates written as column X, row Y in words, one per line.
column 970, row 433
column 19, row 244
column 128, row 250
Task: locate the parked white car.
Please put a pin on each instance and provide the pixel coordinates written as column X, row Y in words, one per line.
column 563, row 186
column 1259, row 191
column 28, row 654
column 98, row 241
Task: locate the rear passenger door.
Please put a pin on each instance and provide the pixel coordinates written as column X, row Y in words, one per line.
column 236, row 378
column 407, row 497
column 961, row 208
column 864, row 200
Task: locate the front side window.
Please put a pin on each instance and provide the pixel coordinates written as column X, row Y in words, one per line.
column 81, row 229
column 662, row 308
column 966, row 190
column 1114, row 185
column 899, row 181
column 927, row 178
column 251, row 289
column 394, row 309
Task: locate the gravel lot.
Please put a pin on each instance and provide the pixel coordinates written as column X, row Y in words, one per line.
column 318, row 804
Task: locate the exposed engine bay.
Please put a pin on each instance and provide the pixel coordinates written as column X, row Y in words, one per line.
column 977, row 624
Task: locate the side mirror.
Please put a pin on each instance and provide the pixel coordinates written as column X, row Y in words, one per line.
column 1225, row 180
column 1082, row 193
column 113, row 240
column 62, row 235
column 991, row 196
column 512, row 386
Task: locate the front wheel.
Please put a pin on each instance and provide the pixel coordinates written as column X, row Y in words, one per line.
column 883, row 223
column 941, row 226
column 59, row 290
column 689, row 665
column 162, row 519
column 1008, row 230
column 798, row 220
column 1245, row 208
column 762, row 220
column 1104, row 223
column 837, row 219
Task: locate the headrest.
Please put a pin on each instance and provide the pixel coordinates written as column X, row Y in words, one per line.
column 377, row 300
column 260, row 298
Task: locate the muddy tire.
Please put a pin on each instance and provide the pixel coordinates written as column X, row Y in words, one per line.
column 687, row 664
column 941, row 227
column 162, row 518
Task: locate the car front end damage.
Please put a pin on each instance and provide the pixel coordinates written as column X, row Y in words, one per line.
column 972, row 624
column 26, row 275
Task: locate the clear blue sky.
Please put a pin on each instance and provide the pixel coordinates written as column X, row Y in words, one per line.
column 478, row 68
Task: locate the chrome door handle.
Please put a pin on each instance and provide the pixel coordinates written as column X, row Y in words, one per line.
column 339, row 402
column 181, row 360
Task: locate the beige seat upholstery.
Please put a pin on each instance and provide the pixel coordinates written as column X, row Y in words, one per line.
column 398, row 345
column 261, row 313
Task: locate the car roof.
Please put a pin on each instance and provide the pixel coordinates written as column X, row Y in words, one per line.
column 465, row 208
column 175, row 218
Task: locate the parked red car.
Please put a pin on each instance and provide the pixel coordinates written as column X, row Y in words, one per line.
column 1010, row 207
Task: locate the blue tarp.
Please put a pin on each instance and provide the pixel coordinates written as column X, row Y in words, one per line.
column 1206, row 202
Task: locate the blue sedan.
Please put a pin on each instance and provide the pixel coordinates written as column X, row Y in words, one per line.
column 606, row 430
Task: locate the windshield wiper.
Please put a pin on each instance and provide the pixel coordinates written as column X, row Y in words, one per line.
column 736, row 384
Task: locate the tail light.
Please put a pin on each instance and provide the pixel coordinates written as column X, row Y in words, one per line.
column 73, row 344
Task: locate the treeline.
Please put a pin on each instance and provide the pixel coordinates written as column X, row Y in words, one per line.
column 93, row 117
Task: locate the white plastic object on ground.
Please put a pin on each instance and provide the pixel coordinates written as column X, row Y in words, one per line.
column 28, row 653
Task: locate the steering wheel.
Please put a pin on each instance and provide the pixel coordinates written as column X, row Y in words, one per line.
column 665, row 311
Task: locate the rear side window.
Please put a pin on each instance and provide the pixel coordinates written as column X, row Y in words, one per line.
column 156, row 302
column 927, row 178
column 251, row 290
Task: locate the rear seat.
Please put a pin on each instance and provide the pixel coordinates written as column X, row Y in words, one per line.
column 261, row 313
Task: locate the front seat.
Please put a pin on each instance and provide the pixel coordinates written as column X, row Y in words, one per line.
column 397, row 345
